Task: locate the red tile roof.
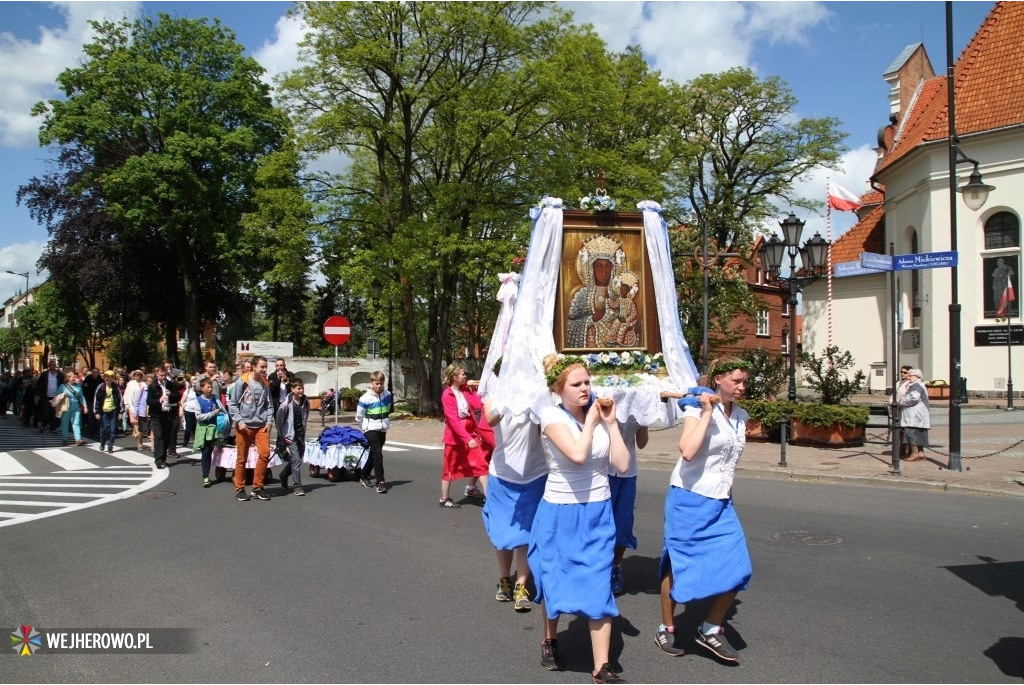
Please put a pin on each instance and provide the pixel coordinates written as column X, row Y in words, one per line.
column 868, row 235
column 989, row 86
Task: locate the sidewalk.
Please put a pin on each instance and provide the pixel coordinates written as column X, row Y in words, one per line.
column 985, row 428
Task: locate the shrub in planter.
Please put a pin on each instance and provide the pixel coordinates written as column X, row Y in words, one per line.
column 767, row 374
column 768, row 412
column 827, row 374
column 824, row 415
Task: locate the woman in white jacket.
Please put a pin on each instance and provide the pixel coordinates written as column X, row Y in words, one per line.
column 915, row 417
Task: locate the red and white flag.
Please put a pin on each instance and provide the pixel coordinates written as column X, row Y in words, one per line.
column 1005, row 299
column 842, row 199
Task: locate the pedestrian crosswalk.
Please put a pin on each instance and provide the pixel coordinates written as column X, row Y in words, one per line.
column 48, row 481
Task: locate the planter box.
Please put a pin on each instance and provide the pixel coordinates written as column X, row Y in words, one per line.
column 757, row 432
column 836, row 435
column 939, row 392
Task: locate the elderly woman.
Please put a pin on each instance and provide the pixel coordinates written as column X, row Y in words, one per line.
column 915, row 417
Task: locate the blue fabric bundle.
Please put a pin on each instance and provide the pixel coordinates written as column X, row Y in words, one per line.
column 692, row 398
column 341, row 435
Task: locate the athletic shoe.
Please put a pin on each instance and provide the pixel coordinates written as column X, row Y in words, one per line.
column 474, row 492
column 260, row 493
column 504, row 593
column 206, row 483
column 298, row 491
column 549, row 655
column 381, row 488
column 666, row 641
column 241, row 495
column 718, row 645
column 449, row 504
column 607, row 675
column 616, row 580
column 522, row 598
column 365, row 482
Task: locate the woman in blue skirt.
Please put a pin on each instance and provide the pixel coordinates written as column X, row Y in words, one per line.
column 515, row 485
column 705, row 553
column 573, row 537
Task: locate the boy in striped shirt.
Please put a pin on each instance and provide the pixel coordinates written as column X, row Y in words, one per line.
column 372, row 414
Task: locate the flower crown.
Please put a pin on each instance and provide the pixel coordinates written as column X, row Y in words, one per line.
column 727, row 367
column 564, row 361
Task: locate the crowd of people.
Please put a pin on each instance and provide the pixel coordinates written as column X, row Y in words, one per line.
column 559, row 500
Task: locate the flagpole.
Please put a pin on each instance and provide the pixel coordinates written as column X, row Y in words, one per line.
column 829, row 222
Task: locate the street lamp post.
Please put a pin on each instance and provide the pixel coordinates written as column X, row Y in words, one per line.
column 813, row 257
column 975, row 194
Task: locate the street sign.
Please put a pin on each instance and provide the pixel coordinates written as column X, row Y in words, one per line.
column 878, row 262
column 852, row 269
column 995, row 336
column 264, row 348
column 925, row 260
column 337, row 330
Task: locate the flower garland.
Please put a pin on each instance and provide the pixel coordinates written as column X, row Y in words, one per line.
column 610, row 368
column 728, row 367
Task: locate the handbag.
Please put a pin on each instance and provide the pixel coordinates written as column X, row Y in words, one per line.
column 222, row 424
column 59, row 403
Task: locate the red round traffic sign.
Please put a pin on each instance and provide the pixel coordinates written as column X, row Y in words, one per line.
column 337, row 330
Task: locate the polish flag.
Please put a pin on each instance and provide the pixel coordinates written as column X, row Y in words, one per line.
column 842, row 199
column 1004, row 301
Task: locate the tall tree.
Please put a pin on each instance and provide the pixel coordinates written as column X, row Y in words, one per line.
column 444, row 108
column 740, row 148
column 171, row 120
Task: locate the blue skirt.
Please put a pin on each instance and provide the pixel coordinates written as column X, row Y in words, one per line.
column 570, row 555
column 623, row 501
column 509, row 511
column 705, row 545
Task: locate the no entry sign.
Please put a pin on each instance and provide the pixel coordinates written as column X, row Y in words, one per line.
column 337, row 330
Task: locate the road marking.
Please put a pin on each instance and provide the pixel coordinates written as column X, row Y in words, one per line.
column 57, row 476
column 414, row 445
column 9, row 465
column 47, row 493
column 65, row 460
column 61, row 485
column 389, row 448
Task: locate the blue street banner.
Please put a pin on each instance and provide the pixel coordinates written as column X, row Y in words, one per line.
column 878, row 262
column 925, row 260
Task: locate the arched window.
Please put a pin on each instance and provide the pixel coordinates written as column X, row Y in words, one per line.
column 1002, row 230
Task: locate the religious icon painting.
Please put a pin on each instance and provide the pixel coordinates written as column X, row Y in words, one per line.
column 605, row 301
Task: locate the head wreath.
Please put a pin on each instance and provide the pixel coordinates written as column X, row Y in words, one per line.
column 561, row 365
column 599, row 247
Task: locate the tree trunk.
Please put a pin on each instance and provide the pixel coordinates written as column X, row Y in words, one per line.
column 190, row 283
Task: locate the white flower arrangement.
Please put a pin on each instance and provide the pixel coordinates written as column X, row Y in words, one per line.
column 598, row 202
column 636, row 361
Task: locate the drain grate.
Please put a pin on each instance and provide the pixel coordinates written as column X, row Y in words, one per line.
column 805, row 537
column 153, row 494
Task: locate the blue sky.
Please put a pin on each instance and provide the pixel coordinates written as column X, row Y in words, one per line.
column 831, row 54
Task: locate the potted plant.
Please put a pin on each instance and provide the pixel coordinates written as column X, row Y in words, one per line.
column 349, row 398
column 830, row 422
column 938, row 389
column 765, row 418
column 767, row 375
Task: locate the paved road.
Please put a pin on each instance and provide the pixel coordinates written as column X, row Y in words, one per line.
column 350, row 586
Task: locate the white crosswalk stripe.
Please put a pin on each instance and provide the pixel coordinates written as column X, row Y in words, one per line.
column 46, row 482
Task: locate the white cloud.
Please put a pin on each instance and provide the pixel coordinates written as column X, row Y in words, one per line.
column 29, row 68
column 282, row 53
column 686, row 39
column 19, row 257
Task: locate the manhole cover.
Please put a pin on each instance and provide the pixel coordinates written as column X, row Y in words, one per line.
column 153, row 494
column 804, row 537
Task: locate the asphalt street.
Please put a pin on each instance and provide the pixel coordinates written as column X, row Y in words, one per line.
column 851, row 584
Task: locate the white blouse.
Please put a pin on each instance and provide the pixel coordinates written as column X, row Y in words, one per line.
column 570, row 483
column 711, row 472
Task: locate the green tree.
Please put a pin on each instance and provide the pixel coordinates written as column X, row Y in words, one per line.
column 168, row 120
column 448, row 111
column 828, row 374
column 740, row 148
column 62, row 322
column 10, row 346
